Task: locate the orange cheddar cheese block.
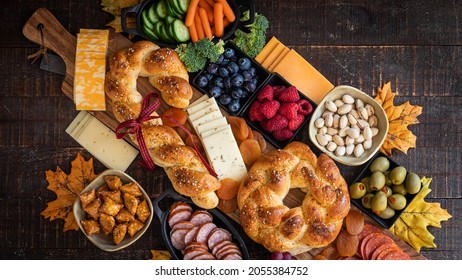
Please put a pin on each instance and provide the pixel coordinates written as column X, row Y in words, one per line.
column 273, row 55
column 300, row 73
column 89, row 84
column 103, row 32
column 267, row 49
column 278, row 59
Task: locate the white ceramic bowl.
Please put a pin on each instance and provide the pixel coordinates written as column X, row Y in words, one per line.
column 102, row 241
column 377, row 140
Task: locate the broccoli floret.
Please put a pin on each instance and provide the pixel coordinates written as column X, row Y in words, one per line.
column 252, row 42
column 195, row 55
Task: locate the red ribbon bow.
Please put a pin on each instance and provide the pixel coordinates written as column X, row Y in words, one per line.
column 133, row 126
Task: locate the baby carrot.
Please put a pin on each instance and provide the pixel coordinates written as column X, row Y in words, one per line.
column 211, row 2
column 208, row 9
column 191, row 12
column 205, row 23
column 198, row 24
column 218, row 19
column 227, row 10
column 226, row 22
column 193, row 33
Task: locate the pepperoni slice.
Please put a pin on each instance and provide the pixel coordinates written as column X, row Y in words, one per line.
column 387, row 251
column 367, row 229
column 376, row 240
column 396, row 255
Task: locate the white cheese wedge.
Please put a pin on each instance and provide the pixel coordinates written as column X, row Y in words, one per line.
column 204, row 111
column 201, row 105
column 214, row 130
column 206, row 118
column 101, row 142
column 211, row 125
column 224, row 155
column 197, row 101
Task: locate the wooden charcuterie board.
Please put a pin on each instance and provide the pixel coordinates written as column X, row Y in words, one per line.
column 57, row 39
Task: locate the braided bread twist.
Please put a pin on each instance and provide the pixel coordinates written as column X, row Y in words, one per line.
column 168, row 74
column 315, row 223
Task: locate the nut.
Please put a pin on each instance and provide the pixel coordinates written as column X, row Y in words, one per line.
column 345, row 109
column 349, row 149
column 332, row 131
column 369, row 109
column 359, row 103
column 353, row 133
column 338, row 140
column 343, row 121
column 351, row 118
column 328, row 120
column 348, row 99
column 321, row 139
column 372, row 121
column 375, row 131
column 367, row 144
column 319, row 122
column 367, row 133
column 331, row 146
column 359, row 150
column 340, row 151
column 342, row 131
column 362, row 124
column 331, row 106
column 338, row 103
column 363, row 113
column 336, row 121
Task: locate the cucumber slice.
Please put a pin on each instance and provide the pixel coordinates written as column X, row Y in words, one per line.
column 145, row 20
column 180, row 31
column 158, row 30
column 161, row 9
column 152, row 16
column 150, row 33
column 170, row 19
column 182, row 5
column 166, row 34
column 171, row 9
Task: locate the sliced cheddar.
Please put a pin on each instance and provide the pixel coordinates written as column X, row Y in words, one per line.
column 273, row 55
column 267, row 49
column 300, row 73
column 278, row 59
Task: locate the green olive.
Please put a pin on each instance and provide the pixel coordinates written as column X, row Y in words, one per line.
column 380, row 164
column 400, row 189
column 387, row 178
column 398, row 175
column 357, row 190
column 379, row 202
column 365, row 181
column 387, row 213
column 366, row 200
column 413, row 183
column 387, row 190
column 397, row 201
column 377, row 181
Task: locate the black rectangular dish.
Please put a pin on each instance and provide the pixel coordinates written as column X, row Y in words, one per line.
column 219, row 219
column 232, row 80
column 308, row 107
column 366, row 172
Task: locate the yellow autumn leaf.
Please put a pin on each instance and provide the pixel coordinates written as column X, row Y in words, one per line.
column 412, row 225
column 160, row 255
column 399, row 117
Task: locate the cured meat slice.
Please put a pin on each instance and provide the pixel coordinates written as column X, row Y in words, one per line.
column 204, row 256
column 200, row 217
column 232, row 256
column 397, row 254
column 362, row 246
column 220, row 255
column 380, row 249
column 190, row 236
column 217, row 235
column 203, row 233
column 180, row 205
column 367, row 229
column 182, row 215
column 190, row 254
column 219, row 245
column 374, row 242
column 183, row 225
column 177, row 237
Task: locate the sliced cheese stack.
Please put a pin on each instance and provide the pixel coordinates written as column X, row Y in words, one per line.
column 278, row 58
column 101, row 142
column 217, row 138
column 90, row 69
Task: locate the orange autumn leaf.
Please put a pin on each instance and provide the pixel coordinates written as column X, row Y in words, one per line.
column 67, row 188
column 160, row 255
column 399, row 117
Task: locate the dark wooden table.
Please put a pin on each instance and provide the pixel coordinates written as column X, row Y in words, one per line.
column 414, row 44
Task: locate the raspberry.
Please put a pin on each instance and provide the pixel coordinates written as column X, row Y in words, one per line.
column 255, row 113
column 277, row 90
column 264, row 125
column 305, row 107
column 289, row 110
column 276, row 122
column 283, row 134
column 290, row 94
column 295, row 123
column 266, row 93
column 269, row 108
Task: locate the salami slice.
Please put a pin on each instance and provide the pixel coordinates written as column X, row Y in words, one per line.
column 387, row 251
column 374, row 242
column 180, row 205
column 190, row 254
column 182, row 225
column 190, row 236
column 177, row 237
column 396, row 255
column 182, row 215
column 362, row 245
column 219, row 245
column 204, row 256
column 380, row 249
column 220, row 255
column 232, row 256
column 367, row 229
column 204, row 232
column 200, row 217
column 217, row 235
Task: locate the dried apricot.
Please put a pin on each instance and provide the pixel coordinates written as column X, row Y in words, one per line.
column 347, row 244
column 239, row 127
column 354, row 222
column 261, row 140
column 228, row 206
column 330, row 253
column 319, row 257
column 228, row 189
column 250, row 136
column 178, row 114
column 250, row 151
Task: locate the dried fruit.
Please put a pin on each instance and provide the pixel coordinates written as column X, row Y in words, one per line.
column 160, row 255
column 228, row 206
column 260, row 139
column 67, row 188
column 194, row 141
column 239, row 127
column 179, row 117
column 346, row 243
column 228, row 189
column 354, row 222
column 250, row 151
column 399, row 117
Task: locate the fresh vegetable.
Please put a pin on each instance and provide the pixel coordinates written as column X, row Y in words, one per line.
column 195, row 55
column 252, row 42
column 218, row 19
column 191, row 13
column 205, row 23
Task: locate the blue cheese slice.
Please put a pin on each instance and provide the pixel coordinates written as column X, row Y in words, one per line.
column 224, row 155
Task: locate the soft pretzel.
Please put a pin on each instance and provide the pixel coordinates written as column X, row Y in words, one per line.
column 182, row 164
column 315, row 223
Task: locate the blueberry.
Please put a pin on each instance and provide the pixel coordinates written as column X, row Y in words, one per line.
column 245, row 93
column 249, row 86
column 223, row 72
column 247, row 75
column 253, row 71
column 234, row 106
column 237, row 93
column 254, row 81
column 202, row 81
column 244, row 63
column 215, row 91
column 220, row 59
column 218, row 82
column 227, row 82
column 224, row 99
column 232, row 67
column 209, row 76
column 212, row 68
column 229, row 52
column 237, row 80
column 225, row 62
